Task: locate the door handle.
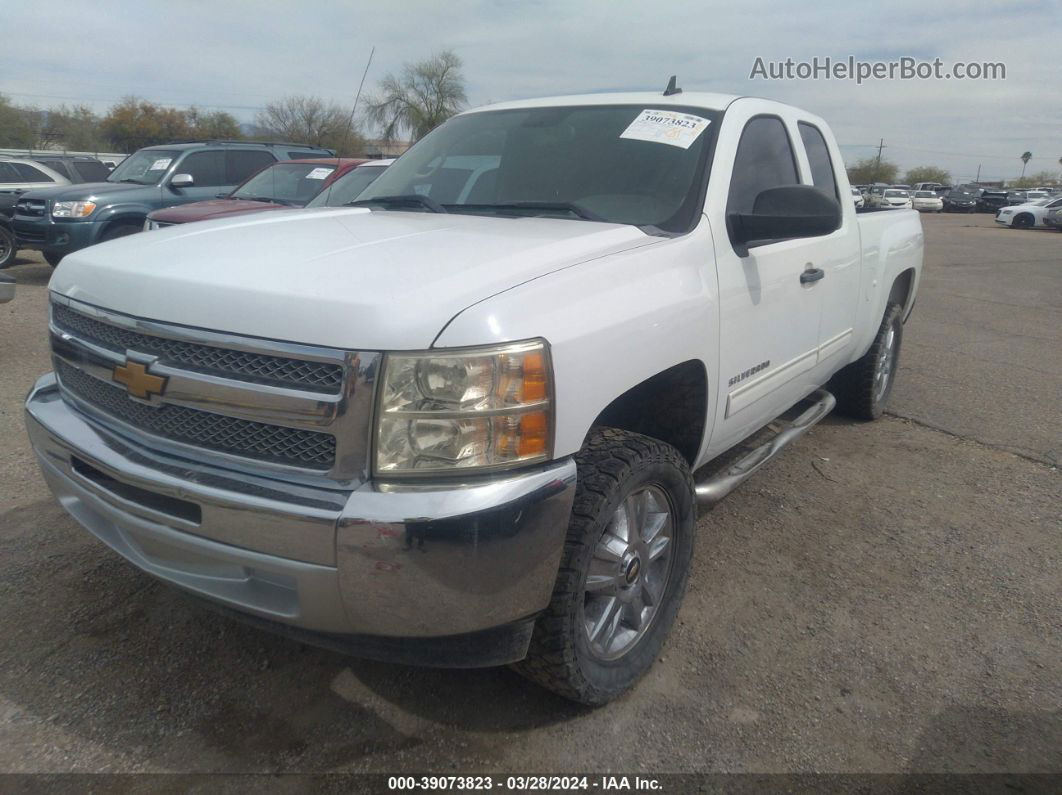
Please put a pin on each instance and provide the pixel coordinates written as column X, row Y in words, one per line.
column 811, row 275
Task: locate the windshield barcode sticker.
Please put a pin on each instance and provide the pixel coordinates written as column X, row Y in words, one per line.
column 161, row 164
column 319, row 173
column 666, row 127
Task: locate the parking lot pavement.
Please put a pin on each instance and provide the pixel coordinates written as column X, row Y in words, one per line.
column 884, row 597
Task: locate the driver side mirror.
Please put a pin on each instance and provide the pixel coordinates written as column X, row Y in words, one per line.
column 182, row 181
column 783, row 213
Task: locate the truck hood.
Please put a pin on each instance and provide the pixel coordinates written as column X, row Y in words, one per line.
column 89, row 190
column 211, row 209
column 350, row 278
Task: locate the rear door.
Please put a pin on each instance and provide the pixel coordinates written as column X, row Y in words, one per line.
column 769, row 318
column 838, row 254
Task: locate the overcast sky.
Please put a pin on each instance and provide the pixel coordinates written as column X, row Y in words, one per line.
column 238, row 54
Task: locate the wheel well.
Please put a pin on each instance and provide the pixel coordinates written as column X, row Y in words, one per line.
column 671, row 406
column 122, row 220
column 901, row 291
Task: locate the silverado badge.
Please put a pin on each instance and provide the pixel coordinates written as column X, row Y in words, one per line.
column 137, row 380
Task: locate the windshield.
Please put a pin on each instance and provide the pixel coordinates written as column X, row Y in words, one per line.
column 925, row 194
column 896, row 194
column 348, row 187
column 285, row 183
column 620, row 164
column 145, row 167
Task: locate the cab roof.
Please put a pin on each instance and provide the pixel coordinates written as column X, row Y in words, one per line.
column 648, row 99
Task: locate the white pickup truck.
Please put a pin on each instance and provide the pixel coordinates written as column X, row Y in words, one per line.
column 456, row 424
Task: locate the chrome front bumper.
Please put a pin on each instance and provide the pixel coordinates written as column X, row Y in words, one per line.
column 418, row 561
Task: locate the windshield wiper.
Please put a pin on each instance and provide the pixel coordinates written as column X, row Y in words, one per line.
column 406, row 198
column 547, row 207
column 132, row 181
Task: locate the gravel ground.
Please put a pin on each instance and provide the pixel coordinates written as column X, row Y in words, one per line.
column 882, row 598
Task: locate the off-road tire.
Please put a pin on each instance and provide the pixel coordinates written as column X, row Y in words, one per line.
column 856, row 387
column 611, row 465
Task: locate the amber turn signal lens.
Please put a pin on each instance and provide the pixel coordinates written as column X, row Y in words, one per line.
column 534, row 432
column 534, row 377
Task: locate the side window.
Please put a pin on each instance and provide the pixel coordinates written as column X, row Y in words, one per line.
column 206, row 168
column 60, row 167
column 240, row 164
column 30, row 174
column 764, row 160
column 822, row 176
column 8, row 173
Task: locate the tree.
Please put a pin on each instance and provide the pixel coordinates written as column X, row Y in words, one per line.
column 310, row 120
column 16, row 129
column 427, row 94
column 75, row 128
column 926, row 174
column 870, row 170
column 135, row 122
column 1033, row 180
column 1025, row 158
column 217, row 125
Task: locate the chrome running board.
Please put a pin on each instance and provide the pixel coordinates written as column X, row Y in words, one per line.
column 714, row 488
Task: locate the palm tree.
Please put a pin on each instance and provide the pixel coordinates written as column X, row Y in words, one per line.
column 427, row 94
column 1025, row 158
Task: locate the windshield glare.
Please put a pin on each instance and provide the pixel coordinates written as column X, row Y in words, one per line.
column 286, row 183
column 926, row 194
column 145, row 167
column 896, row 194
column 348, row 187
column 559, row 156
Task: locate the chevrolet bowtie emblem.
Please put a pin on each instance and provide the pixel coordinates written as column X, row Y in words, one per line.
column 137, row 380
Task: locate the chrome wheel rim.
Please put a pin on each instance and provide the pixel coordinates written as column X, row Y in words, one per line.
column 628, row 573
column 886, row 360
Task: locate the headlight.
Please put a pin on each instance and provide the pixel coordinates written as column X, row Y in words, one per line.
column 480, row 408
column 1006, row 212
column 73, row 209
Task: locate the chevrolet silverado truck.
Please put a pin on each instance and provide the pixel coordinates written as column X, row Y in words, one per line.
column 457, row 423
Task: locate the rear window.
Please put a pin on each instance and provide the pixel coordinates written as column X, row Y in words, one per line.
column 59, row 166
column 896, row 194
column 305, row 155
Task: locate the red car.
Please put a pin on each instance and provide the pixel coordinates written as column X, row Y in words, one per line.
column 281, row 186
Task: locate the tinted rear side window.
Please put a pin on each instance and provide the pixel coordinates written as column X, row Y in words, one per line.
column 818, row 158
column 8, row 173
column 92, row 171
column 206, row 168
column 30, row 174
column 60, row 166
column 240, row 164
column 764, row 160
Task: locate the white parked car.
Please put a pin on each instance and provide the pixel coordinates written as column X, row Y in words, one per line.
column 1027, row 215
column 857, row 199
column 891, row 198
column 456, row 423
column 927, row 201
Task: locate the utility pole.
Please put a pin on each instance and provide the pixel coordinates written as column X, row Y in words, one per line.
column 978, row 180
column 877, row 167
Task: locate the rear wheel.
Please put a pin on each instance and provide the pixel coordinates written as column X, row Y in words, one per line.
column 862, row 388
column 623, row 572
column 8, row 247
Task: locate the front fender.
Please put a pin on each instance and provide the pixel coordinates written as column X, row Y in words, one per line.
column 611, row 323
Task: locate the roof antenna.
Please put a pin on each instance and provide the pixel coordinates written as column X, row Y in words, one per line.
column 671, row 87
column 350, row 124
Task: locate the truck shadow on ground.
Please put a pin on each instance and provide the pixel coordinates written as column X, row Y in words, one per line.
column 97, row 649
column 29, row 272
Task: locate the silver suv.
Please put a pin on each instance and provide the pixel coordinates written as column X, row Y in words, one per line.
column 18, row 175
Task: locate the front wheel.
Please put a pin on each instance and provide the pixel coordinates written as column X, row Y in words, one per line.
column 624, row 569
column 862, row 388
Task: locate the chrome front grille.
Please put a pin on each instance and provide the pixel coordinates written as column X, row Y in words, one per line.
column 283, row 409
column 231, row 435
column 243, row 365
